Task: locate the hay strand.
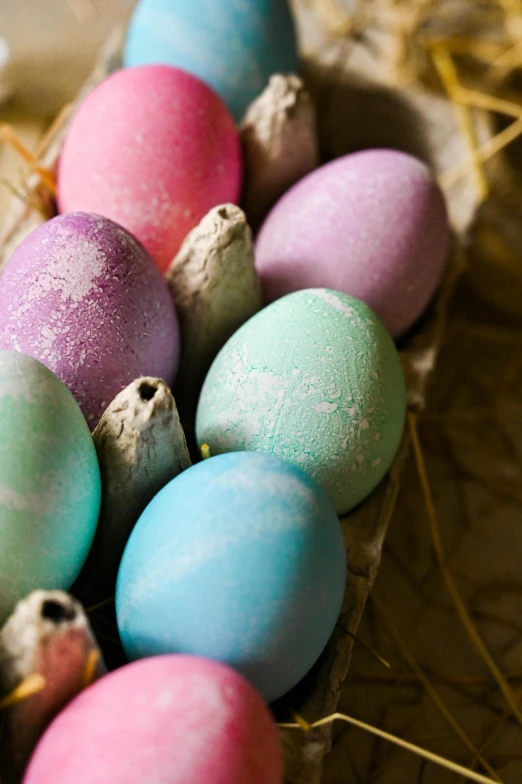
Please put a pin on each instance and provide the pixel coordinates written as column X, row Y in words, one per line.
column 483, row 154
column 89, row 674
column 430, row 691
column 33, row 684
column 466, row 620
column 8, row 135
column 448, row 74
column 470, row 775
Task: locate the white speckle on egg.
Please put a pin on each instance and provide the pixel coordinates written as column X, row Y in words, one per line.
column 326, row 408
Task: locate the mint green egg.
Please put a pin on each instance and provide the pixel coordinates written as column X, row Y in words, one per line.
column 314, row 378
column 49, row 481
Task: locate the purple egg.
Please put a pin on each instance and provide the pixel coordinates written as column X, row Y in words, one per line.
column 81, row 295
column 372, row 224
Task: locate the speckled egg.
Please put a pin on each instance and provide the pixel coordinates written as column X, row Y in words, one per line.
column 234, row 46
column 83, row 297
column 372, row 224
column 167, row 719
column 313, row 378
column 49, row 481
column 154, row 149
column 239, row 559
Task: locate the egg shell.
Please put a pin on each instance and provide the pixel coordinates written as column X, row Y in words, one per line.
column 83, row 297
column 50, row 484
column 313, row 378
column 372, row 224
column 239, row 559
column 154, row 149
column 233, row 46
column 175, row 719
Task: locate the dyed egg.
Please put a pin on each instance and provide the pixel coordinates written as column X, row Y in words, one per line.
column 233, row 46
column 49, row 481
column 83, row 297
column 316, row 379
column 154, row 149
column 239, row 559
column 177, row 719
column 372, row 224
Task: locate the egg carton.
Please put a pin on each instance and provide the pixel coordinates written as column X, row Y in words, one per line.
column 356, row 109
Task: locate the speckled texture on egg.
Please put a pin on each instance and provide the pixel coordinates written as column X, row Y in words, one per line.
column 83, row 297
column 50, row 483
column 372, row 224
column 154, row 149
column 234, row 46
column 164, row 720
column 313, row 378
column 240, row 559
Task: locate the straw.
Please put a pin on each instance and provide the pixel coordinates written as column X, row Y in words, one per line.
column 33, row 684
column 467, row 622
column 470, row 775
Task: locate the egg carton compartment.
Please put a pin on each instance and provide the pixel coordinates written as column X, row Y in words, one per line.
column 356, row 108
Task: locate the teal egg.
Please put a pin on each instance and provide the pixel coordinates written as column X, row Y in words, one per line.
column 314, row 378
column 50, row 484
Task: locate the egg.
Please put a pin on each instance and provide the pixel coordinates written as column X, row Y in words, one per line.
column 49, row 481
column 83, row 297
column 154, row 149
column 238, row 559
column 233, row 46
column 372, row 224
column 177, row 719
column 313, row 378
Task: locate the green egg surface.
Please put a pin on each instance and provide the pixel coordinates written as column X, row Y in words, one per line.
column 49, row 481
column 314, row 378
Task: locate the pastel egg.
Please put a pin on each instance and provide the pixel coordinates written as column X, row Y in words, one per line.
column 49, row 481
column 154, row 149
column 176, row 719
column 238, row 559
column 313, row 378
column 233, row 46
column 83, row 297
column 372, row 224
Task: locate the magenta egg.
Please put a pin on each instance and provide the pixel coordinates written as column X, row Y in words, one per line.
column 175, row 719
column 154, row 149
column 372, row 224
column 82, row 296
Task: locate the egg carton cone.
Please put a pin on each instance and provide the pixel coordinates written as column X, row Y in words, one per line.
column 361, row 101
column 48, row 654
column 141, row 447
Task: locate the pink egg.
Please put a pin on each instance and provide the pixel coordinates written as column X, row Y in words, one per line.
column 372, row 224
column 163, row 720
column 154, row 149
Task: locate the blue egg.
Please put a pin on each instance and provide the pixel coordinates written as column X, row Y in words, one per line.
column 240, row 559
column 232, row 45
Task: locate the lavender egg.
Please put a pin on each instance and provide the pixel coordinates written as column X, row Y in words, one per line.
column 372, row 224
column 82, row 296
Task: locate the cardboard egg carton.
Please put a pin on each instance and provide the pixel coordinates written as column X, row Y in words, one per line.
column 356, row 108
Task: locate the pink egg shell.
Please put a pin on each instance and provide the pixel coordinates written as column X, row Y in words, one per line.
column 84, row 298
column 154, row 149
column 163, row 720
column 372, row 224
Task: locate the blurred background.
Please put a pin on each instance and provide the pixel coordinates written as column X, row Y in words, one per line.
column 438, row 691
column 53, row 44
column 52, row 47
